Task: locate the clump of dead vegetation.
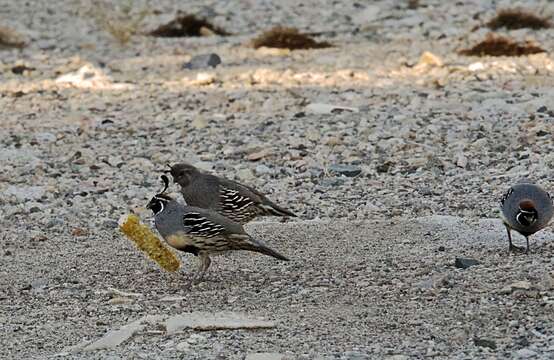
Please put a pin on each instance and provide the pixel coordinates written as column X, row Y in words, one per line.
column 185, row 25
column 122, row 21
column 495, row 45
column 513, row 19
column 287, row 38
column 9, row 38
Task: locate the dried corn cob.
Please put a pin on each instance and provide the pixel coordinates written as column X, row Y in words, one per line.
column 148, row 242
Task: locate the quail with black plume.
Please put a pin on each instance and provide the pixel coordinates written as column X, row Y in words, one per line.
column 526, row 208
column 231, row 199
column 201, row 232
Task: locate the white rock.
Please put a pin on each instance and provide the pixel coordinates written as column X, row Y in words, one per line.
column 264, row 356
column 367, row 15
column 526, row 354
column 518, row 285
column 183, row 346
column 262, row 170
column 477, row 66
column 120, row 301
column 204, row 79
column 428, row 58
column 45, row 137
column 114, row 291
column 19, row 157
column 461, row 160
column 245, row 175
column 204, row 165
column 23, row 193
column 116, row 337
column 196, row 338
column 214, row 321
column 521, row 285
column 89, row 76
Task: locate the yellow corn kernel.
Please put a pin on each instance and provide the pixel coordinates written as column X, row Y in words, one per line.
column 148, row 242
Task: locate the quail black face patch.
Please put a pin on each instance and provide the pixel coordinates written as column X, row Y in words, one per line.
column 527, row 217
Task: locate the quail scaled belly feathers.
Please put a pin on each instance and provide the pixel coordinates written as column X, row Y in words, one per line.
column 525, row 208
column 201, row 232
column 231, row 199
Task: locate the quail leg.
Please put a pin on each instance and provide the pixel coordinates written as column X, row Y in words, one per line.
column 205, row 262
column 513, row 248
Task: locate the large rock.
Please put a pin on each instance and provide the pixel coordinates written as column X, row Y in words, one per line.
column 214, row 321
column 116, row 337
column 203, row 61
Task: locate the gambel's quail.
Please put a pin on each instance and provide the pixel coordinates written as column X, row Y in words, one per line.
column 231, row 199
column 526, row 208
column 201, row 231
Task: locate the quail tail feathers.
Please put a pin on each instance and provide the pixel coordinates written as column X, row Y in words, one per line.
column 250, row 244
column 276, row 210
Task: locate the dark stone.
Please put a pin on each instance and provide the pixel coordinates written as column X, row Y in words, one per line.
column 20, row 69
column 442, row 248
column 542, row 109
column 484, row 343
column 202, row 62
column 346, row 170
column 384, row 167
column 464, row 263
column 110, row 224
column 425, row 191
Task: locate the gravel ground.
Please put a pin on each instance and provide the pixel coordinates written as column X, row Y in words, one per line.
column 87, row 123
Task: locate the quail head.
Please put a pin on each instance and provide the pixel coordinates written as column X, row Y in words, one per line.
column 231, row 199
column 526, row 208
column 201, row 232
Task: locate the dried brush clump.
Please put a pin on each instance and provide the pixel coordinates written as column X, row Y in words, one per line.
column 187, row 25
column 121, row 21
column 287, row 38
column 495, row 45
column 513, row 19
column 9, row 38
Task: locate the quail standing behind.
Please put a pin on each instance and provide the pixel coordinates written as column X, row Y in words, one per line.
column 231, row 199
column 201, row 231
column 526, row 208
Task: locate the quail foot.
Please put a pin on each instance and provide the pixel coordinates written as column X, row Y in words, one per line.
column 526, row 208
column 231, row 199
column 201, row 232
